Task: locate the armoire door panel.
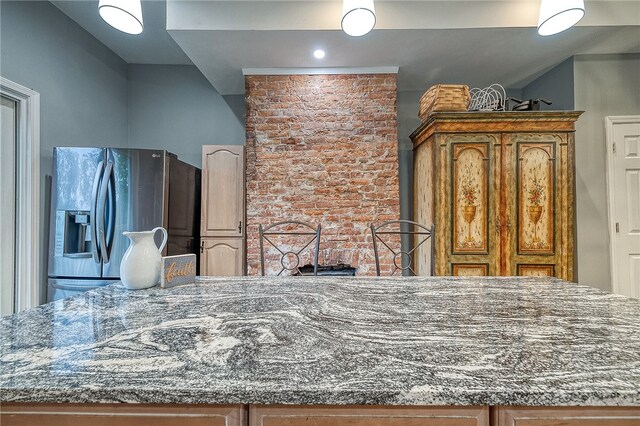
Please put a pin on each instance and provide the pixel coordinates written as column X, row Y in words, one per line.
column 470, row 269
column 538, row 202
column 536, row 270
column 536, row 197
column 470, row 199
column 222, row 191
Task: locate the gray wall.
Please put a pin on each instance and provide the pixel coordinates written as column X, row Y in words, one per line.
column 82, row 84
column 408, row 121
column 605, row 85
column 556, row 85
column 174, row 107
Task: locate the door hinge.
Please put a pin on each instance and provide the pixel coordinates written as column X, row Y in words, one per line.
column 618, row 227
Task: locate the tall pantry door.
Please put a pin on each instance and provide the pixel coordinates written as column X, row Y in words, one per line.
column 223, row 210
column 624, row 199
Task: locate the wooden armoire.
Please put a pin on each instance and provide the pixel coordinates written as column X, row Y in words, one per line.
column 499, row 187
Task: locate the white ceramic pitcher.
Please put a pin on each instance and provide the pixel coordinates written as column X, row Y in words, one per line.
column 142, row 262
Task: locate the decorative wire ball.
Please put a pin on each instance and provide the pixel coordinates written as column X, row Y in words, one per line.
column 490, row 98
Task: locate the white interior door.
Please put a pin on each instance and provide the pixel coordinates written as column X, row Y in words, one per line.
column 623, row 147
column 7, row 212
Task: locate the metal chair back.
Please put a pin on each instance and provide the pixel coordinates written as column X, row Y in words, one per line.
column 403, row 260
column 290, row 257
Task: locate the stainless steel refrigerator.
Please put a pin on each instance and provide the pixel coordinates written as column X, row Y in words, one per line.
column 98, row 193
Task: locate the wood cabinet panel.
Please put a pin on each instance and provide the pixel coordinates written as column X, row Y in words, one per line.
column 222, row 191
column 470, row 201
column 121, row 415
column 500, row 191
column 536, row 270
column 423, row 194
column 367, row 416
column 568, row 416
column 222, row 229
column 466, row 202
column 536, row 195
column 222, row 256
column 470, row 269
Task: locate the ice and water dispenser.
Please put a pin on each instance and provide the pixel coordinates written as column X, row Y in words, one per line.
column 73, row 234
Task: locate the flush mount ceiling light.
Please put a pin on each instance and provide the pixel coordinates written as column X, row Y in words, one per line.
column 124, row 15
column 318, row 53
column 559, row 15
column 358, row 17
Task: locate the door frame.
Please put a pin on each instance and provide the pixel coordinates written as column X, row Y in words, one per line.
column 28, row 244
column 610, row 183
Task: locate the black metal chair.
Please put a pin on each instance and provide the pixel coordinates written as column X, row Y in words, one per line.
column 290, row 258
column 403, row 260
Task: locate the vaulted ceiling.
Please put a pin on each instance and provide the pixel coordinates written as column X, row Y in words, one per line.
column 474, row 42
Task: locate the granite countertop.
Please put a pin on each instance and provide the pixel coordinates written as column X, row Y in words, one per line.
column 329, row 340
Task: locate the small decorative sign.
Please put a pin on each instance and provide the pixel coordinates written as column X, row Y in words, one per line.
column 176, row 270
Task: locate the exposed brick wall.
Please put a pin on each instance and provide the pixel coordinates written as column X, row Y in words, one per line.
column 322, row 149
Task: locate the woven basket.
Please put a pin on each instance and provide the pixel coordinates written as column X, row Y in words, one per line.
column 444, row 97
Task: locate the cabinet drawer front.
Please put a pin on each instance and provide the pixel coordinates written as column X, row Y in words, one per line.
column 568, row 416
column 39, row 414
column 367, row 416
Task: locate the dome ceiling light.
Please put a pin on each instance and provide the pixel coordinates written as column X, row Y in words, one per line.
column 559, row 15
column 123, row 15
column 358, row 17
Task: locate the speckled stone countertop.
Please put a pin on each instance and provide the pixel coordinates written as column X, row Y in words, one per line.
column 334, row 340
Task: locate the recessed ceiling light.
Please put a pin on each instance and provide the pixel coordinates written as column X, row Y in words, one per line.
column 318, row 53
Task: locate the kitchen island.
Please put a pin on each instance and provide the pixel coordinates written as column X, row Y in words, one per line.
column 340, row 350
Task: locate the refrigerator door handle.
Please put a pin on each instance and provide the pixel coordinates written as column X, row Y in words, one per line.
column 111, row 218
column 102, row 205
column 93, row 225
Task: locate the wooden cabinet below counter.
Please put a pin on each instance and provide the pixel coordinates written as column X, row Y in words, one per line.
column 38, row 414
column 367, row 416
column 499, row 187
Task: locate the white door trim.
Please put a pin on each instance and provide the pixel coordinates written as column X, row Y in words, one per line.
column 28, row 241
column 611, row 209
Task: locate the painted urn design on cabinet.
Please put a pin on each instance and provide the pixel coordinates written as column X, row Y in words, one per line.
column 470, row 174
column 468, row 200
column 536, row 162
